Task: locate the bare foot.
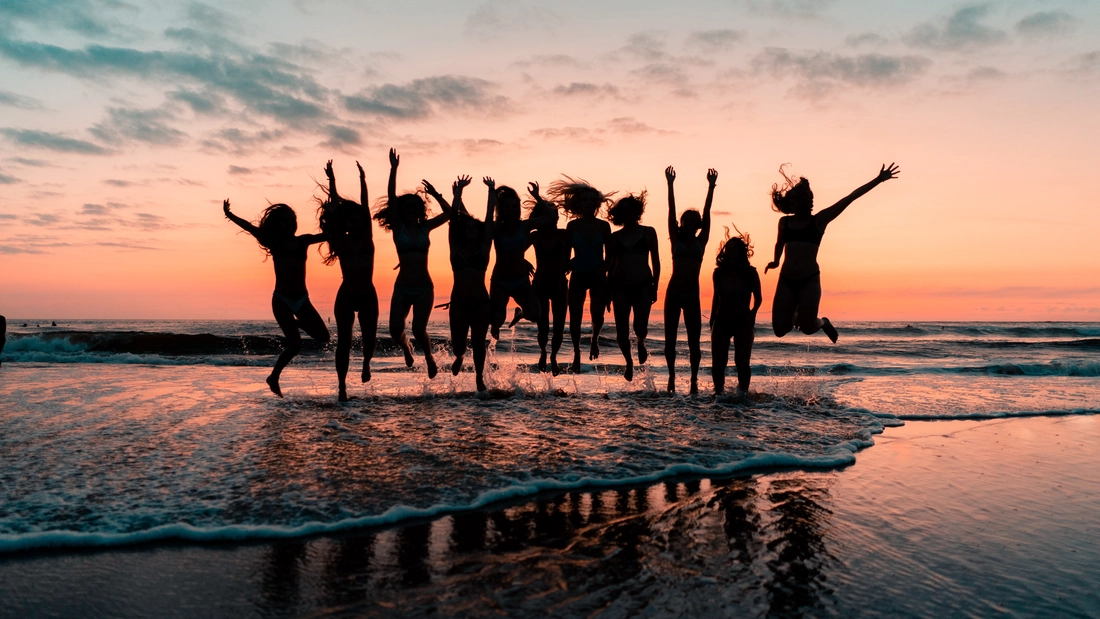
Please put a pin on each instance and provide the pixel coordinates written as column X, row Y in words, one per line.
column 456, row 367
column 433, row 369
column 576, row 362
column 516, row 317
column 643, row 354
column 554, row 369
column 628, row 373
column 365, row 376
column 829, row 329
column 494, row 330
column 542, row 361
column 694, row 387
column 408, row 350
column 481, row 384
column 273, row 383
column 343, row 394
column 595, row 352
column 671, row 384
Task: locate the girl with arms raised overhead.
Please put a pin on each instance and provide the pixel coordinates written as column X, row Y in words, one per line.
column 347, row 228
column 588, row 238
column 735, row 280
column 633, row 284
column 406, row 217
column 689, row 240
column 511, row 277
column 290, row 301
column 798, row 293
column 470, row 242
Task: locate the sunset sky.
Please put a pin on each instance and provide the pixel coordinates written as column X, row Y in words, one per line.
column 123, row 125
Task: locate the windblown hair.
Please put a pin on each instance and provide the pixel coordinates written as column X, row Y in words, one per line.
column 627, row 209
column 391, row 215
column 794, row 195
column 458, row 225
column 332, row 216
column 267, row 222
column 508, row 201
column 734, row 252
column 577, row 198
column 539, row 208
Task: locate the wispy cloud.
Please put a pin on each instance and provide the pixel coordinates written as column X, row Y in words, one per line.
column 1046, row 24
column 586, row 89
column 421, row 98
column 819, row 73
column 8, row 180
column 960, row 31
column 52, row 141
column 149, row 126
column 12, row 99
column 711, row 41
column 497, row 19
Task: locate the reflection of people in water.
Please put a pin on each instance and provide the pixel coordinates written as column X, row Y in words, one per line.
column 469, row 309
column 290, row 301
column 589, row 239
column 735, row 280
column 3, row 335
column 633, row 284
column 798, row 293
column 689, row 240
column 347, row 228
column 406, row 217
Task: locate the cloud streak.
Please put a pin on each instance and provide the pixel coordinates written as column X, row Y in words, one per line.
column 421, row 98
column 52, row 141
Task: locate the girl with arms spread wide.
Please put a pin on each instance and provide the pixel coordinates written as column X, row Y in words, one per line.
column 290, row 301
column 798, row 293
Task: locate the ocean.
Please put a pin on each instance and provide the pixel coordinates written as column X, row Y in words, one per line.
column 116, row 434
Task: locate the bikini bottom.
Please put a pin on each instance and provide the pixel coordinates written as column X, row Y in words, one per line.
column 295, row 304
column 798, row 284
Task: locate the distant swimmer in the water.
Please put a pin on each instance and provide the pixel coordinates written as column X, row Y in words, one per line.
column 589, row 238
column 290, row 301
column 689, row 241
column 633, row 283
column 470, row 241
column 550, row 282
column 735, row 280
column 798, row 293
column 511, row 277
column 347, row 227
column 406, row 217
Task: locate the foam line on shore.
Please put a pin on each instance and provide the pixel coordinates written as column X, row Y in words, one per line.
column 996, row 415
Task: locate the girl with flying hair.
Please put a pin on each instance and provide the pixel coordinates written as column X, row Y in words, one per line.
column 470, row 242
column 689, row 240
column 511, row 277
column 735, row 280
column 346, row 225
column 406, row 217
column 589, row 238
column 276, row 234
column 633, row 283
column 550, row 282
column 798, row 293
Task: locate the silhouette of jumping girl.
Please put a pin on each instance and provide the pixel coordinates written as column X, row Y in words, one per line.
column 290, row 300
column 735, row 280
column 347, row 228
column 589, row 238
column 633, row 284
column 511, row 277
column 470, row 242
column 689, row 240
column 550, row 282
column 798, row 292
column 406, row 217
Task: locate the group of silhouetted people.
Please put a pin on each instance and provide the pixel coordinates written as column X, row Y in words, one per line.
column 614, row 270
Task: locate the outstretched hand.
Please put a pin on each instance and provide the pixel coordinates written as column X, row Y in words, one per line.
column 328, row 170
column 670, row 174
column 362, row 174
column 490, row 183
column 429, row 188
column 225, row 207
column 462, row 181
column 394, row 158
column 533, row 189
column 771, row 265
column 712, row 176
column 888, row 172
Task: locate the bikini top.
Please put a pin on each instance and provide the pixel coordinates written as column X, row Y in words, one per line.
column 639, row 247
column 407, row 243
column 809, row 234
column 693, row 250
column 511, row 242
column 587, row 255
column 291, row 250
column 461, row 260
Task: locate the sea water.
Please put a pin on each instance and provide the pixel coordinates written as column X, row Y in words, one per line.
column 119, row 432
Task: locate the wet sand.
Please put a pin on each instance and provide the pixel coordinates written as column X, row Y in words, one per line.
column 943, row 518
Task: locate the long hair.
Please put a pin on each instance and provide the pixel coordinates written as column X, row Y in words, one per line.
column 458, row 224
column 508, row 201
column 539, row 208
column 794, row 195
column 627, row 209
column 577, row 198
column 332, row 217
column 391, row 215
column 734, row 252
column 267, row 223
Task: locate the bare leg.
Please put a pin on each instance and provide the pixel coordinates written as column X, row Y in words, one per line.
column 459, row 328
column 368, row 324
column 720, row 351
column 498, row 303
column 400, row 306
column 422, row 311
column 693, row 324
column 672, row 327
column 559, row 305
column 784, row 306
column 742, row 355
column 478, row 329
column 576, row 314
column 345, row 321
column 622, row 330
column 597, row 302
column 544, row 327
column 642, row 306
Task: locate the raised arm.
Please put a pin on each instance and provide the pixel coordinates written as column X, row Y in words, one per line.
column 440, row 219
column 331, row 180
column 363, row 199
column 704, row 230
column 655, row 256
column 779, row 242
column 757, row 297
column 673, row 228
column 456, row 194
column 391, row 189
column 246, row 225
column 551, row 217
column 490, row 206
column 823, row 218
